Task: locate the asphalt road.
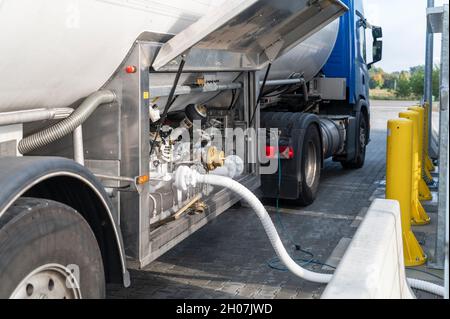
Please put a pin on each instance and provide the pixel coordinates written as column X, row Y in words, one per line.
column 231, row 256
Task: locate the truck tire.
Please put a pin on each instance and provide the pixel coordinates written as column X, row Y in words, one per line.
column 360, row 157
column 310, row 166
column 44, row 246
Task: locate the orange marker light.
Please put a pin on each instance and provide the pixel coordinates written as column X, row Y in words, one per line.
column 142, row 179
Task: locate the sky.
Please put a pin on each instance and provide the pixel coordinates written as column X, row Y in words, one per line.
column 404, row 29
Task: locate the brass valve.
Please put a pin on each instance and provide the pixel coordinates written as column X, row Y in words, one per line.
column 214, row 158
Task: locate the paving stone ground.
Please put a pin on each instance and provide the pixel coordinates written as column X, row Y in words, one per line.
column 229, row 257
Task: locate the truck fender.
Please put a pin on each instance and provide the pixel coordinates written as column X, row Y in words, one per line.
column 66, row 181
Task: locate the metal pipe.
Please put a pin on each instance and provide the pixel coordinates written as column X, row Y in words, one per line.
column 282, row 82
column 154, row 204
column 78, row 149
column 116, row 178
column 34, row 115
column 441, row 249
column 444, row 215
column 446, row 263
column 68, row 125
column 162, row 91
column 428, row 85
column 260, row 94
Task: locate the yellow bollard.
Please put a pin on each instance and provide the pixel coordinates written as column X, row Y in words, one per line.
column 418, row 213
column 424, row 191
column 427, row 173
column 428, row 162
column 399, row 184
column 428, row 166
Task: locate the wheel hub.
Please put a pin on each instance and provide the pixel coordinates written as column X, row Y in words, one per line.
column 362, row 137
column 311, row 165
column 51, row 281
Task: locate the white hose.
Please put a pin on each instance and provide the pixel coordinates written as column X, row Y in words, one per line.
column 268, row 225
column 185, row 177
column 426, row 286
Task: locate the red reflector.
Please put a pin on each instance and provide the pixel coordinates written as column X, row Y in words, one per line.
column 270, row 151
column 286, row 152
column 130, row 69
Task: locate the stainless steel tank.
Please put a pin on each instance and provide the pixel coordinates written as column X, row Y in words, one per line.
column 307, row 58
column 54, row 53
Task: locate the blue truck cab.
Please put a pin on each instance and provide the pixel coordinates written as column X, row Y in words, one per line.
column 358, row 47
column 351, row 57
column 328, row 117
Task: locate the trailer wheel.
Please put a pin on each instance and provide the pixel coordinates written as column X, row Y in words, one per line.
column 360, row 158
column 310, row 166
column 48, row 250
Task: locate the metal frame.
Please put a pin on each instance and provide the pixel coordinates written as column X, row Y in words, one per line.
column 428, row 89
column 124, row 149
column 438, row 22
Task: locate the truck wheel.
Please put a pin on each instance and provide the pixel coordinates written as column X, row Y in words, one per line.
column 310, row 166
column 358, row 162
column 48, row 250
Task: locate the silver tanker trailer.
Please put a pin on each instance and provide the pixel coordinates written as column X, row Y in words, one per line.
column 102, row 101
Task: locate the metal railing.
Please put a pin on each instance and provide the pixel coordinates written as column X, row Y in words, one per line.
column 438, row 22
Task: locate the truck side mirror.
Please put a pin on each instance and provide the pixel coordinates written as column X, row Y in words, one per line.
column 377, row 32
column 377, row 52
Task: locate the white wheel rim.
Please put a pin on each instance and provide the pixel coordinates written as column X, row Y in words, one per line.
column 311, row 165
column 50, row 281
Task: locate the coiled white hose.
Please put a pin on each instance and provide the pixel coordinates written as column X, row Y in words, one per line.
column 185, row 177
column 268, row 225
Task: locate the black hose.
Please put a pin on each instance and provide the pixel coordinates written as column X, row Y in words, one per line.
column 260, row 95
column 170, row 101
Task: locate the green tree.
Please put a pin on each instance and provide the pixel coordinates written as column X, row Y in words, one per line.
column 436, row 81
column 403, row 85
column 390, row 81
column 376, row 78
column 417, row 80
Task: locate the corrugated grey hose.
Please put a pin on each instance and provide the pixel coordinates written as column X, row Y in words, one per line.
column 68, row 125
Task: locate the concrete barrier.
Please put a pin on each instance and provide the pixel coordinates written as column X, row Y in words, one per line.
column 373, row 266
